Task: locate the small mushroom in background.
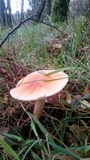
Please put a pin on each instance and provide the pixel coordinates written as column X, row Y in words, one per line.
column 53, row 46
column 39, row 85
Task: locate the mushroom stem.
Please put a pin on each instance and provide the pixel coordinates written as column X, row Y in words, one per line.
column 38, row 109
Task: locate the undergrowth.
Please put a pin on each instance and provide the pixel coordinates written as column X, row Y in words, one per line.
column 63, row 132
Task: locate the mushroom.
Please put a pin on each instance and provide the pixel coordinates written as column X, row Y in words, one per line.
column 37, row 86
column 53, row 46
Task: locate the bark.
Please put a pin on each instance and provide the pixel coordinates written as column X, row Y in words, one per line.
column 49, row 6
column 22, row 10
column 9, row 14
column 35, row 4
column 3, row 13
column 40, row 9
column 60, row 10
column 89, row 6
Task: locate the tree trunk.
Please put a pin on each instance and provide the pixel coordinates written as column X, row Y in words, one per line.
column 35, row 4
column 49, row 6
column 40, row 9
column 22, row 10
column 60, row 10
column 3, row 15
column 89, row 6
column 9, row 14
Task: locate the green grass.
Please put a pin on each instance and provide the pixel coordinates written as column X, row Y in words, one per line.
column 53, row 137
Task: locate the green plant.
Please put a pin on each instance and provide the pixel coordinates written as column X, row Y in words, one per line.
column 9, row 150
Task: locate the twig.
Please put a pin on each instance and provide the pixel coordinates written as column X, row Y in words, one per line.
column 13, row 30
column 48, row 24
column 18, row 26
column 25, row 110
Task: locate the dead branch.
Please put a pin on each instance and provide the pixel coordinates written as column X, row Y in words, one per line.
column 19, row 25
column 48, row 24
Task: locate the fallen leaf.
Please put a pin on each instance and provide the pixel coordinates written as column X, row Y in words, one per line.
column 87, row 90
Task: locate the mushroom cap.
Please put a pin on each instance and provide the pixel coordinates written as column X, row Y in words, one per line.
column 39, row 84
column 57, row 45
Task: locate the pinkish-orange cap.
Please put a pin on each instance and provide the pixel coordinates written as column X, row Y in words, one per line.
column 39, row 84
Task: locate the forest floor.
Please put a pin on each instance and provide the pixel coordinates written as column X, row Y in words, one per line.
column 63, row 132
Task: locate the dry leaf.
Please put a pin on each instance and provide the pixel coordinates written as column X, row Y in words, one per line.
column 87, row 90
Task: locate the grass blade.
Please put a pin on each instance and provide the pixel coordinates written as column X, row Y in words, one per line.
column 65, row 151
column 8, row 149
